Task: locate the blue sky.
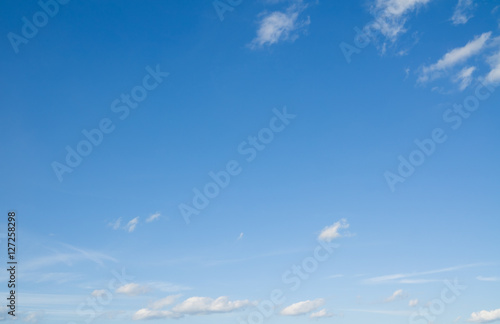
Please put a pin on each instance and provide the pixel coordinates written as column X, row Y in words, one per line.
column 248, row 162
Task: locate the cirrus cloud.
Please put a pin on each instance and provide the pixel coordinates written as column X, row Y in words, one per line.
column 302, row 307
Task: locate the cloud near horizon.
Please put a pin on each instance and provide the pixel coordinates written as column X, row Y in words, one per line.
column 190, row 306
column 302, row 307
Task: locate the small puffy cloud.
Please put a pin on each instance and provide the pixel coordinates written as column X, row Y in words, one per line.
column 463, row 12
column 481, row 278
column 280, row 26
column 454, row 57
column 147, row 314
column 132, row 289
column 302, row 307
column 485, row 316
column 167, row 301
column 321, row 314
column 413, row 303
column 398, row 294
column 207, row 305
column 240, row 236
column 153, row 217
column 329, row 233
column 132, row 224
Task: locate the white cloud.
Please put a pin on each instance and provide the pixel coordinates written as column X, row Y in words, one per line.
column 206, row 305
column 481, row 278
column 302, row 307
column 401, row 276
column 240, row 236
column 168, row 286
column 280, row 26
column 463, row 12
column 413, row 303
column 146, row 314
column 485, row 316
column 132, row 224
column 153, row 217
column 398, row 294
column 464, row 77
column 33, row 317
column 191, row 306
column 321, row 314
column 390, row 16
column 417, row 281
column 116, row 224
column 494, row 75
column 454, row 57
column 69, row 258
column 132, row 289
column 331, row 232
column 169, row 300
column 98, row 293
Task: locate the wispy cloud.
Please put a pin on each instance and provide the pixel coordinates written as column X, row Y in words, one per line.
column 494, row 75
column 329, row 233
column 162, row 303
column 481, row 278
column 390, row 17
column 279, row 26
column 401, row 276
column 464, row 77
column 413, row 303
column 485, row 316
column 116, row 224
column 398, row 294
column 153, row 217
column 132, row 224
column 33, row 317
column 69, row 258
column 133, row 289
column 240, row 236
column 99, row 292
column 454, row 57
column 302, row 307
column 149, row 314
column 463, row 12
column 379, row 311
column 321, row 314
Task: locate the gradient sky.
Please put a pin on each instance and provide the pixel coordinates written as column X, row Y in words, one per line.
column 364, row 130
